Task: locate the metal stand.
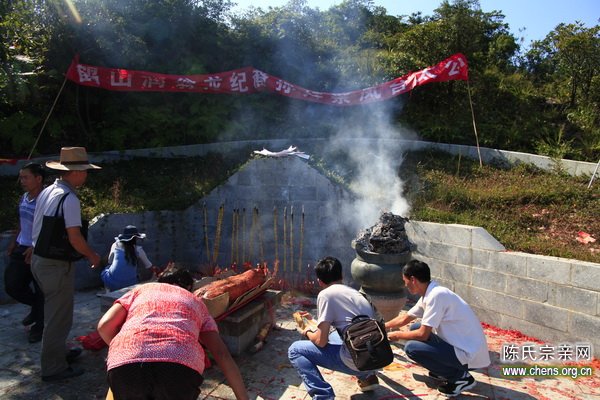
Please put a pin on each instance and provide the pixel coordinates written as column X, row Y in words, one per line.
column 594, row 174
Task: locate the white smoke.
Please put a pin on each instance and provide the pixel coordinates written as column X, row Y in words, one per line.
column 365, row 144
column 372, row 147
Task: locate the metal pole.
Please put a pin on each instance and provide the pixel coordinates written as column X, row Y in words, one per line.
column 218, row 234
column 233, row 230
column 292, row 240
column 47, row 118
column 594, row 174
column 285, row 244
column 275, row 239
column 474, row 125
column 205, row 212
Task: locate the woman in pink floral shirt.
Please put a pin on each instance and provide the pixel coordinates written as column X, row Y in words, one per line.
column 155, row 334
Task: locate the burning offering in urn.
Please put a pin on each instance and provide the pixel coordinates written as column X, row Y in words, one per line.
column 388, row 236
column 381, row 252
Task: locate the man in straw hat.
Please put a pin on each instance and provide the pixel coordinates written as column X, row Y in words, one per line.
column 57, row 277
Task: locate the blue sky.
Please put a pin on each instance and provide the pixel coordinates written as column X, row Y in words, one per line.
column 538, row 17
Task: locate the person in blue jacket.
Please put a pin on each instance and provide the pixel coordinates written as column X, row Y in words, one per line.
column 125, row 254
column 18, row 279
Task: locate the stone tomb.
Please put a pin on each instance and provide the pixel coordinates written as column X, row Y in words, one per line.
column 239, row 329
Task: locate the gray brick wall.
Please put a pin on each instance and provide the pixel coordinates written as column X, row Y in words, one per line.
column 553, row 299
column 265, row 183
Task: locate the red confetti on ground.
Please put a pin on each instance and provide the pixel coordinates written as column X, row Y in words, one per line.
column 591, row 381
column 595, row 363
column 511, row 333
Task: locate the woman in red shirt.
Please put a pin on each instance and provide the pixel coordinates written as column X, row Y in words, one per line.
column 155, row 334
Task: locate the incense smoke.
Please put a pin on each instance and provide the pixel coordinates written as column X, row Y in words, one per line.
column 363, row 145
column 373, row 150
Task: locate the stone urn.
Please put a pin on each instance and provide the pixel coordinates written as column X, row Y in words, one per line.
column 380, row 277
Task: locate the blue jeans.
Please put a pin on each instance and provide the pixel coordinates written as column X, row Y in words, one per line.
column 306, row 356
column 436, row 356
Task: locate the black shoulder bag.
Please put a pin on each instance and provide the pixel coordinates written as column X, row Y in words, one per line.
column 53, row 240
column 367, row 342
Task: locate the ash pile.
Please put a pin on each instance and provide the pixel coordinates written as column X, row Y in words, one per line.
column 388, row 236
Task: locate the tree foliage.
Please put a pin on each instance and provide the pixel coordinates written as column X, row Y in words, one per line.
column 565, row 68
column 546, row 99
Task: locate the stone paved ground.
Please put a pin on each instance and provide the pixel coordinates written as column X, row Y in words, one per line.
column 268, row 374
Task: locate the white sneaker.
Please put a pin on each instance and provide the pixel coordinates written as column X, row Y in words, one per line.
column 451, row 389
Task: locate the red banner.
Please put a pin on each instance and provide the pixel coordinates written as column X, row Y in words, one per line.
column 251, row 80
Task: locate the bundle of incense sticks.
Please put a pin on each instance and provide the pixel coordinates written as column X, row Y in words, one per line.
column 305, row 321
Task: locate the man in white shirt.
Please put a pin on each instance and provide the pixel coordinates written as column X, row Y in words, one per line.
column 449, row 340
column 56, row 277
column 337, row 304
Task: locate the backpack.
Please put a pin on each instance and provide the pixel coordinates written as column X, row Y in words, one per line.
column 53, row 240
column 368, row 344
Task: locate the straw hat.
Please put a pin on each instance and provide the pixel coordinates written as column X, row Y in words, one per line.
column 72, row 159
column 129, row 232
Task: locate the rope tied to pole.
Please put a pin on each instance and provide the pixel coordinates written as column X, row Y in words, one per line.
column 47, row 118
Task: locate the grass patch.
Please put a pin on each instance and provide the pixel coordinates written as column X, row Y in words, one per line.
column 140, row 184
column 525, row 208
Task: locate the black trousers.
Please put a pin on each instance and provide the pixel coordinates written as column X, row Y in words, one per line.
column 17, row 283
column 154, row 381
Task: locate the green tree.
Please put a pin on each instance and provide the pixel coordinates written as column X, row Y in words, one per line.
column 569, row 54
column 565, row 67
column 549, row 100
column 26, row 28
column 442, row 112
column 177, row 36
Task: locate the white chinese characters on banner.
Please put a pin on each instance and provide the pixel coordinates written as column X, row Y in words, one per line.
column 185, row 83
column 398, row 87
column 455, row 66
column 213, row 82
column 312, row 94
column 120, row 78
column 259, row 78
column 369, row 95
column 238, row 81
column 425, row 76
column 88, row 74
column 150, row 81
column 283, row 86
column 250, row 80
column 340, row 99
